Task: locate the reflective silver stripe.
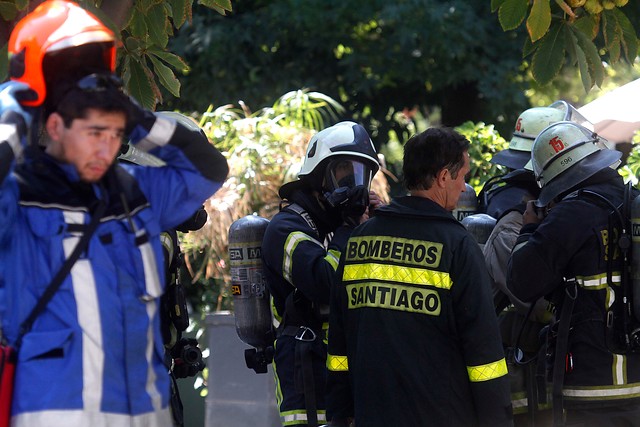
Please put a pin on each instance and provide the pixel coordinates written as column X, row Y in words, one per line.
column 154, row 291
column 293, row 417
column 91, row 419
column 152, row 390
column 9, row 134
column 167, row 243
column 604, row 392
column 598, row 282
column 86, row 296
column 289, row 247
column 519, row 403
column 151, row 277
column 159, row 135
column 619, row 369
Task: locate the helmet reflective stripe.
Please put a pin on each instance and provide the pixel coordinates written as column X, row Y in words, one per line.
column 559, row 147
column 53, row 26
column 344, row 138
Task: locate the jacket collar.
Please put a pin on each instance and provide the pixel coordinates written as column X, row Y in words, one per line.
column 418, row 207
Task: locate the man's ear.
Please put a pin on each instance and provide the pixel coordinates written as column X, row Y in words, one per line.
column 54, row 126
column 441, row 177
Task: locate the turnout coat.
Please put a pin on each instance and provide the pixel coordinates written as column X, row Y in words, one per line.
column 413, row 336
column 94, row 356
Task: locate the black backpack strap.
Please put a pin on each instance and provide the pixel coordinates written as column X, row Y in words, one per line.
column 561, row 350
column 57, row 280
column 296, row 208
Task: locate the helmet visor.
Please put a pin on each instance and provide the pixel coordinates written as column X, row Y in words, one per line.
column 572, row 115
column 346, row 172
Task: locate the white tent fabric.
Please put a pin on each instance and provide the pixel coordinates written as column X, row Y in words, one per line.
column 616, row 114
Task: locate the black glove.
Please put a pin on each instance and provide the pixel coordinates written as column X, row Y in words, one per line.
column 138, row 116
column 356, row 205
column 195, row 222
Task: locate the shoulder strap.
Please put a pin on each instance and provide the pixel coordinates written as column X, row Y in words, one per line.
column 296, row 208
column 62, row 274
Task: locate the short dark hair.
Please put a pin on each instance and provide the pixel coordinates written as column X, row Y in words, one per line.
column 76, row 103
column 426, row 153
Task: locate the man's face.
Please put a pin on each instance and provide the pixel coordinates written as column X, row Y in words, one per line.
column 456, row 186
column 90, row 144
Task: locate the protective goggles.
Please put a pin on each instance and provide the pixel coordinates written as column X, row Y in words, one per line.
column 99, row 83
column 347, row 172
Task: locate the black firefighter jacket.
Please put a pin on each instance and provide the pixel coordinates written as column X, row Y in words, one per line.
column 413, row 337
column 574, row 241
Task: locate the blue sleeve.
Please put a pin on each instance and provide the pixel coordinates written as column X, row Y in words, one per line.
column 194, row 170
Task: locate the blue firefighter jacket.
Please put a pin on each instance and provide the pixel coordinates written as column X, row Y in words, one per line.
column 94, row 356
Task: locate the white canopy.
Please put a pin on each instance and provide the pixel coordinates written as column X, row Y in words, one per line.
column 616, row 114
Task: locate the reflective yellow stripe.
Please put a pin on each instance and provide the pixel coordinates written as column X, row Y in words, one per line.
column 333, row 258
column 290, row 246
column 395, row 273
column 487, row 372
column 337, row 363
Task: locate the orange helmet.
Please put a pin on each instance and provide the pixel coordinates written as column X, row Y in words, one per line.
column 53, row 27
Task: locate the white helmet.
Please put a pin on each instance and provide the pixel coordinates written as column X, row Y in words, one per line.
column 345, row 145
column 530, row 123
column 566, row 154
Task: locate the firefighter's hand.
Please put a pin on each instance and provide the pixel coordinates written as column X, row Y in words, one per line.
column 532, row 214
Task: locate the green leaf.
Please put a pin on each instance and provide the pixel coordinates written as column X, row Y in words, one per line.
column 495, row 4
column 166, row 76
column 583, row 66
column 180, row 11
column 8, row 11
column 138, row 25
column 629, row 39
column 571, row 47
column 596, row 69
column 145, row 5
column 170, row 58
column 217, row 4
column 549, row 55
column 139, row 84
column 528, row 48
column 539, row 19
column 512, row 13
column 609, row 29
column 588, row 24
column 4, row 61
column 157, row 20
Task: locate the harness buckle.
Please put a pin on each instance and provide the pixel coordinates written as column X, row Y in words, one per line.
column 305, row 334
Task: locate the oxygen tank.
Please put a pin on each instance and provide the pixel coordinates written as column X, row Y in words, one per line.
column 467, row 204
column 635, row 255
column 480, row 226
column 251, row 299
